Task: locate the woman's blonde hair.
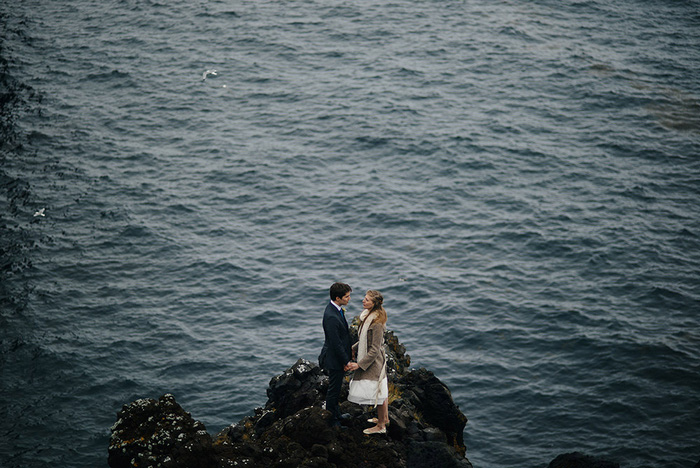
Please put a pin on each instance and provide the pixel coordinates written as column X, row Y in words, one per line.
column 378, row 307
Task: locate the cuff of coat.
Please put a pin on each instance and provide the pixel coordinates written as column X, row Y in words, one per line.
column 364, row 364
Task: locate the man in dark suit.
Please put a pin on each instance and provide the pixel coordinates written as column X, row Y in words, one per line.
column 337, row 349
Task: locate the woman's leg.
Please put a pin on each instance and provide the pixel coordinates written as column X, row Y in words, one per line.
column 383, row 414
column 382, row 418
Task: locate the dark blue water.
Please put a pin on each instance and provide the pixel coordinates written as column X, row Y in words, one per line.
column 520, row 179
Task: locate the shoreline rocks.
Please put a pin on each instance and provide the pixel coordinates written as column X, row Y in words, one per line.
column 159, row 433
column 292, row 429
column 425, row 425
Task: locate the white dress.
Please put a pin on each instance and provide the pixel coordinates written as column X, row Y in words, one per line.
column 364, row 392
column 368, row 391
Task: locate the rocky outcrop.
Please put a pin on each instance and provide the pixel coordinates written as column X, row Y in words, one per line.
column 293, row 430
column 159, row 433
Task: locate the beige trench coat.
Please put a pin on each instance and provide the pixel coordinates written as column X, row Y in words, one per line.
column 375, row 360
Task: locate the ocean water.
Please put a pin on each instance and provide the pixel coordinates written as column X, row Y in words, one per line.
column 521, row 179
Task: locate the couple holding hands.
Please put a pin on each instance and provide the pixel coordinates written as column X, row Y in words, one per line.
column 365, row 358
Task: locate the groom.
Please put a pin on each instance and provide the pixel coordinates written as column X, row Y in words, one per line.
column 337, row 352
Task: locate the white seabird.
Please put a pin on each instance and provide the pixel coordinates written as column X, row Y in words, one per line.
column 207, row 73
column 40, row 212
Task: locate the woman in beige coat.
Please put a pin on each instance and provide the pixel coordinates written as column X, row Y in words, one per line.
column 369, row 384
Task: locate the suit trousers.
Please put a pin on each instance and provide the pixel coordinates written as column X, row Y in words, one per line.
column 335, row 382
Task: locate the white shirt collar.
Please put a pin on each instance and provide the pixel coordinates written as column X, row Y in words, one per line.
column 336, row 306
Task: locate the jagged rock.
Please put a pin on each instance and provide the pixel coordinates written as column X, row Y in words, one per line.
column 159, row 433
column 292, row 429
column 579, row 460
column 431, row 401
column 295, row 424
column 434, row 454
column 301, row 386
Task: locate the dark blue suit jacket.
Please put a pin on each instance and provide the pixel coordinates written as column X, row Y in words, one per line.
column 337, row 349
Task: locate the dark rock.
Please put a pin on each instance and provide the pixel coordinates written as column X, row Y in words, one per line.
column 397, row 361
column 301, row 386
column 319, row 451
column 433, row 405
column 434, row 454
column 579, row 460
column 398, row 423
column 159, row 433
column 432, row 434
column 293, row 430
column 414, row 431
column 316, row 462
column 301, row 430
column 308, row 427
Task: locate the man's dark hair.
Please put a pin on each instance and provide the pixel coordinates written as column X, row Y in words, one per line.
column 339, row 290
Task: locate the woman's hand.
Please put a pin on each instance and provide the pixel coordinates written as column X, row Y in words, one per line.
column 351, row 366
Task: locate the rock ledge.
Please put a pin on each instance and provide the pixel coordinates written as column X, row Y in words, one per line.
column 292, row 429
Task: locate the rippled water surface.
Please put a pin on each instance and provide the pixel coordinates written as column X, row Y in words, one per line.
column 520, row 179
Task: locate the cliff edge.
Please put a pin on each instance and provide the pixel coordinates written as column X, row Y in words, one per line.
column 292, row 429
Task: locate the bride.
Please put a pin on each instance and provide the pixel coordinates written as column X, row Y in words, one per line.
column 369, row 383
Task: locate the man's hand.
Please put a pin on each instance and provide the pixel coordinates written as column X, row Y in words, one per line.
column 351, row 366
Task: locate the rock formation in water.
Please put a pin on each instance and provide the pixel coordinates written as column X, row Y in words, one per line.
column 159, row 434
column 292, row 429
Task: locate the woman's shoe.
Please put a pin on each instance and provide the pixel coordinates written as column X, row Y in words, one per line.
column 370, row 431
column 375, row 421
